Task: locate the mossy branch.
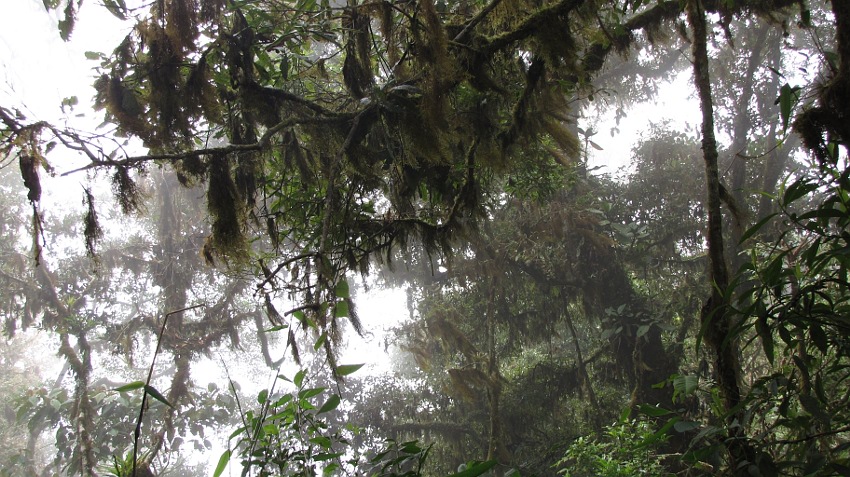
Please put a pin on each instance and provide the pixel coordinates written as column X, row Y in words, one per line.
column 261, row 144
column 531, row 24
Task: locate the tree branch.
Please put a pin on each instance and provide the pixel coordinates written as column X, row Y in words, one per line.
column 262, row 143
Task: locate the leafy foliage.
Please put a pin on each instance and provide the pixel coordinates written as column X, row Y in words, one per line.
column 330, row 137
column 289, row 435
column 619, row 451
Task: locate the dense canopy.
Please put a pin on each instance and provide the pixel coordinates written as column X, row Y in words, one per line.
column 699, row 302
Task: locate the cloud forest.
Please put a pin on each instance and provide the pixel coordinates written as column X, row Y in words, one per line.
column 262, row 166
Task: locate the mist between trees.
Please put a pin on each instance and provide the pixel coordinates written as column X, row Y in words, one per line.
column 687, row 318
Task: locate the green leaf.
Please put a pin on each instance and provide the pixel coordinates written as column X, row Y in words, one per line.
column 625, row 414
column 341, row 290
column 346, row 369
column 785, row 104
column 685, row 426
column 822, row 213
column 819, row 337
column 130, row 386
column 475, row 469
column 326, row 456
column 299, row 377
column 322, row 441
column 654, row 411
column 660, row 433
column 806, row 18
column 222, row 463
column 320, row 342
column 330, row 404
column 341, row 309
column 755, row 228
column 156, row 395
column 93, row 55
column 238, row 431
column 330, row 469
column 66, row 25
column 766, row 335
column 797, row 189
column 308, row 393
column 686, row 385
column 813, row 407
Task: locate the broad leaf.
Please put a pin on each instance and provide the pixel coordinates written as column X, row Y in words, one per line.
column 330, row 404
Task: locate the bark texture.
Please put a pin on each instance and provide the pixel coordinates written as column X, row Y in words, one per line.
column 715, row 313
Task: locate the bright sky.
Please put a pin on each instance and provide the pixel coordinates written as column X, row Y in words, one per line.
column 38, row 68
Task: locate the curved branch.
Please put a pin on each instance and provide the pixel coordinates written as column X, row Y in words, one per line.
column 262, row 143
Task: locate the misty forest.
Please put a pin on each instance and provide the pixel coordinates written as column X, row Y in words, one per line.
column 263, row 166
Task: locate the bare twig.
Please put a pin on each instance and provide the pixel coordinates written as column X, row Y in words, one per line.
column 138, row 430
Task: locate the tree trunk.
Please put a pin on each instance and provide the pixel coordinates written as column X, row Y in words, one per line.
column 586, row 384
column 495, row 446
column 716, row 313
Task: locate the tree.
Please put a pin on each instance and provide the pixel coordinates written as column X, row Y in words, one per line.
column 108, row 317
column 341, row 133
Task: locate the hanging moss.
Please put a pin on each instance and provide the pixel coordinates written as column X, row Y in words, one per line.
column 211, row 9
column 190, row 170
column 224, row 204
column 295, row 158
column 92, row 231
column 29, row 165
column 566, row 139
column 126, row 191
column 123, row 104
column 248, row 169
column 164, row 98
column 181, row 23
column 356, row 68
column 200, row 96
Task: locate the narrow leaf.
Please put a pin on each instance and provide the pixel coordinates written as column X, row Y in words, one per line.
column 222, row 463
column 766, row 335
column 320, row 342
column 653, row 411
column 308, row 393
column 156, row 395
column 130, row 386
column 346, row 369
column 755, row 228
column 785, row 104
